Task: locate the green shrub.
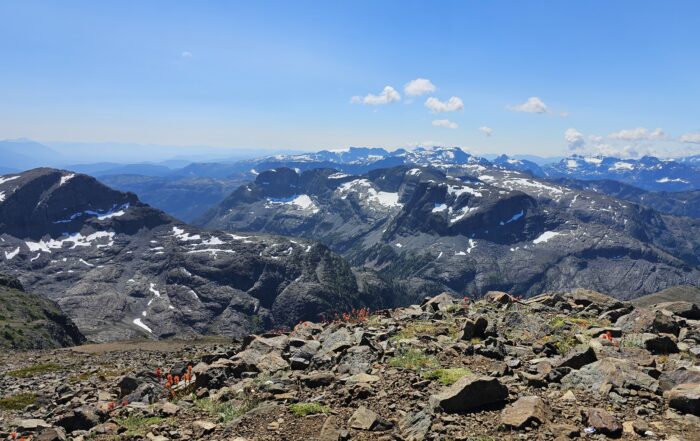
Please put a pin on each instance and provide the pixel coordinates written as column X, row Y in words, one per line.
column 304, row 409
column 17, row 402
column 413, row 359
column 447, row 376
column 225, row 411
column 137, row 425
column 36, row 369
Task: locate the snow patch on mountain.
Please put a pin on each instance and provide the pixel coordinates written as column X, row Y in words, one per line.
column 667, row 180
column 11, row 255
column 140, row 324
column 66, row 178
column 544, row 237
column 302, row 202
column 184, row 236
column 458, row 190
column 101, row 215
column 77, row 239
column 364, row 189
column 4, row 179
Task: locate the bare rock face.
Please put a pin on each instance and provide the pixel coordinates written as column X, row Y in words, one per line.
column 468, row 394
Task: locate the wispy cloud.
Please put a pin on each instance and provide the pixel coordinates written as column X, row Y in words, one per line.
column 419, row 86
column 186, row 55
column 445, row 123
column 388, row 95
column 690, row 138
column 488, row 131
column 638, row 134
column 436, row 106
column 532, row 105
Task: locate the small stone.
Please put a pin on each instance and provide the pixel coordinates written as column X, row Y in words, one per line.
column 524, row 412
column 685, row 398
column 365, row 419
column 578, row 359
column 51, row 434
column 362, row 378
column 205, row 426
column 568, row 396
column 469, row 393
column 30, row 424
column 602, row 421
column 170, row 409
column 329, row 431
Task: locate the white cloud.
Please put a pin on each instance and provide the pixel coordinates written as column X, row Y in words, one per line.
column 186, row 55
column 445, row 123
column 437, row 106
column 691, row 138
column 419, row 86
column 488, row 131
column 638, row 134
column 388, row 95
column 532, row 105
column 574, row 139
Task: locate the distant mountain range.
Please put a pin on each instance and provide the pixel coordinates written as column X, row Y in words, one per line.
column 474, row 229
column 648, row 173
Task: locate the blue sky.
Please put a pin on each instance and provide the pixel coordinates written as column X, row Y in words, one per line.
column 600, row 76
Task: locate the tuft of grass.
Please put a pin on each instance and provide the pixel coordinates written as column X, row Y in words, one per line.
column 137, row 425
column 17, row 402
column 225, row 411
column 447, row 376
column 565, row 344
column 304, row 409
column 632, row 341
column 413, row 359
column 415, row 329
column 37, row 369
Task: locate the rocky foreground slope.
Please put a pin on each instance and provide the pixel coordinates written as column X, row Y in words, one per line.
column 556, row 366
column 29, row 321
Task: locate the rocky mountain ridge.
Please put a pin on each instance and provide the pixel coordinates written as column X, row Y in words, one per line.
column 121, row 269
